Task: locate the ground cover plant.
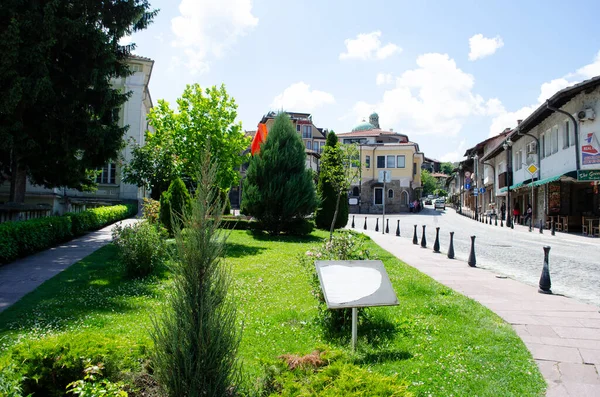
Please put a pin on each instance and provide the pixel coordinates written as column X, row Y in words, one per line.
column 436, row 342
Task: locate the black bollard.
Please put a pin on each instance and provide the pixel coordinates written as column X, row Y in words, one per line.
column 486, row 220
column 365, row 223
column 530, row 224
column 501, row 223
column 377, row 225
column 415, row 238
column 496, row 220
column 398, row 229
column 423, row 239
column 472, row 261
column 553, row 228
column 507, row 220
column 387, row 226
column 541, row 227
column 451, row 249
column 436, row 244
column 545, row 283
column 352, row 221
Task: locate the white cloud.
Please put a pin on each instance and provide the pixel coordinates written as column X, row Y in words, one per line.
column 481, row 47
column 384, row 78
column 435, row 98
column 368, row 46
column 548, row 89
column 300, row 98
column 457, row 154
column 206, row 29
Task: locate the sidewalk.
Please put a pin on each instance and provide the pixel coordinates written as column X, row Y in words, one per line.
column 24, row 275
column 562, row 334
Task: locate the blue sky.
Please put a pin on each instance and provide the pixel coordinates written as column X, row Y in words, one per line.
column 447, row 73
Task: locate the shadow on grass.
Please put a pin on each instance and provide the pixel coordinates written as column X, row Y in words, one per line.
column 95, row 285
column 374, row 328
column 234, row 250
column 376, row 357
column 264, row 236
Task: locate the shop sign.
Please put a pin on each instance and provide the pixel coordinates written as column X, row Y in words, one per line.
column 588, row 175
column 590, row 149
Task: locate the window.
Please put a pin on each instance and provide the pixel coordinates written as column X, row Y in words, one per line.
column 391, row 162
column 308, row 145
column 414, row 168
column 548, row 144
column 400, row 161
column 554, row 139
column 355, row 191
column 390, row 194
column 380, row 161
column 572, row 134
column 298, row 127
column 518, row 161
column 322, row 147
column 543, row 143
column 108, row 174
column 378, row 196
column 307, row 132
column 566, row 135
column 368, row 161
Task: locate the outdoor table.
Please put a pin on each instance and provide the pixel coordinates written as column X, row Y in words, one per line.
column 590, row 231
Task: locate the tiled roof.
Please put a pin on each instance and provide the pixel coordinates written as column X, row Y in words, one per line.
column 139, row 57
column 369, row 133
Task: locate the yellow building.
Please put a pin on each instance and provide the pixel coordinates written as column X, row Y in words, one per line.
column 388, row 151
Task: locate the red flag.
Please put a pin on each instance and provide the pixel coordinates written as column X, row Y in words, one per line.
column 259, row 138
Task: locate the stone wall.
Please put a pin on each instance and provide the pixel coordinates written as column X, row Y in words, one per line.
column 393, row 205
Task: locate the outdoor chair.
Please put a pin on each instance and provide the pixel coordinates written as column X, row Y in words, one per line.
column 584, row 227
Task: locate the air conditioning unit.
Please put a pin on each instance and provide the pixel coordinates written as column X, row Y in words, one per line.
column 532, row 148
column 586, row 114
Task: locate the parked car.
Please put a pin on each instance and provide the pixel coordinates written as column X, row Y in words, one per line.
column 440, row 203
column 428, row 201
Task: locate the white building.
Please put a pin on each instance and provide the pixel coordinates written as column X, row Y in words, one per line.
column 111, row 189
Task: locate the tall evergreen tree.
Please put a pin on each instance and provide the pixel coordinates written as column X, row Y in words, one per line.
column 58, row 109
column 331, row 162
column 278, row 190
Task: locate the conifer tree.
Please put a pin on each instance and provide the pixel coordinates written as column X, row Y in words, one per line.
column 173, row 204
column 331, row 162
column 278, row 190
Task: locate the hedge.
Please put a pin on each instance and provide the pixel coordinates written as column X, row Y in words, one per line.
column 19, row 239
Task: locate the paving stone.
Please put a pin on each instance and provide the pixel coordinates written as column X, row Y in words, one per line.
column 590, row 356
column 541, row 331
column 581, row 389
column 549, row 369
column 578, row 373
column 554, row 353
column 577, row 333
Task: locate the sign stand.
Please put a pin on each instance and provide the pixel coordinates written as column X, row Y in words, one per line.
column 354, row 327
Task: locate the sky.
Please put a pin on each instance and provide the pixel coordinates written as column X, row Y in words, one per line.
column 448, row 74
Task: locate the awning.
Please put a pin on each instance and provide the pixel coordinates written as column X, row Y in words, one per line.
column 516, row 186
column 547, row 180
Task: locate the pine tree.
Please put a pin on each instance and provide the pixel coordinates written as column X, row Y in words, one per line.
column 331, row 160
column 173, row 204
column 278, row 190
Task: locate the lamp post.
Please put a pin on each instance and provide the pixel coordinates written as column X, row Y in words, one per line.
column 460, row 200
column 507, row 145
column 493, row 184
column 475, row 165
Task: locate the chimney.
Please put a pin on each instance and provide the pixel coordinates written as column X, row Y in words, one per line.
column 519, row 122
column 391, row 130
column 507, row 130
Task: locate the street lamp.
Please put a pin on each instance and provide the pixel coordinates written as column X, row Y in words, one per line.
column 460, row 200
column 507, row 145
column 476, row 157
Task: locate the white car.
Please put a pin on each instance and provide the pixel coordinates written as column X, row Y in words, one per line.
column 440, row 203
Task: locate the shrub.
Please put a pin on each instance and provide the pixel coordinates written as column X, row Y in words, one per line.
column 91, row 385
column 151, row 210
column 278, row 188
column 328, row 375
column 173, row 203
column 196, row 337
column 97, row 218
column 142, row 248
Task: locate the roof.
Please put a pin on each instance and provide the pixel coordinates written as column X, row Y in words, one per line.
column 557, row 100
column 482, row 144
column 372, row 132
column 439, row 175
column 364, row 126
column 139, row 58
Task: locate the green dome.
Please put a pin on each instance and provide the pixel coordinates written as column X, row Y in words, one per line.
column 373, row 115
column 364, row 126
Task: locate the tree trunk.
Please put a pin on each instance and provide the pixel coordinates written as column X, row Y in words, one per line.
column 18, row 182
column 335, row 214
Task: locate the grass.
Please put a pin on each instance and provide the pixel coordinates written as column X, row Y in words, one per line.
column 439, row 342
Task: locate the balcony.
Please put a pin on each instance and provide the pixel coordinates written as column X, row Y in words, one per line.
column 502, row 180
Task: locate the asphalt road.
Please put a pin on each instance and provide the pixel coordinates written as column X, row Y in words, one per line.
column 517, row 253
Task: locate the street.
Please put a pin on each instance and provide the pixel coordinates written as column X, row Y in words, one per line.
column 574, row 260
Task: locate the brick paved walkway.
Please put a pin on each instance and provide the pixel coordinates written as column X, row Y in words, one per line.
column 562, row 334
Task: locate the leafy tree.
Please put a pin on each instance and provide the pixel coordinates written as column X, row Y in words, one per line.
column 278, row 189
column 447, row 168
column 173, row 204
column 339, row 168
column 428, row 182
column 440, row 192
column 196, row 337
column 204, row 119
column 58, row 108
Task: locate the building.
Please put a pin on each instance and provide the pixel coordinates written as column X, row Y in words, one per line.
column 431, row 165
column 551, row 160
column 382, row 150
column 111, row 190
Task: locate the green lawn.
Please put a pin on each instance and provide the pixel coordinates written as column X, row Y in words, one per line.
column 439, row 342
